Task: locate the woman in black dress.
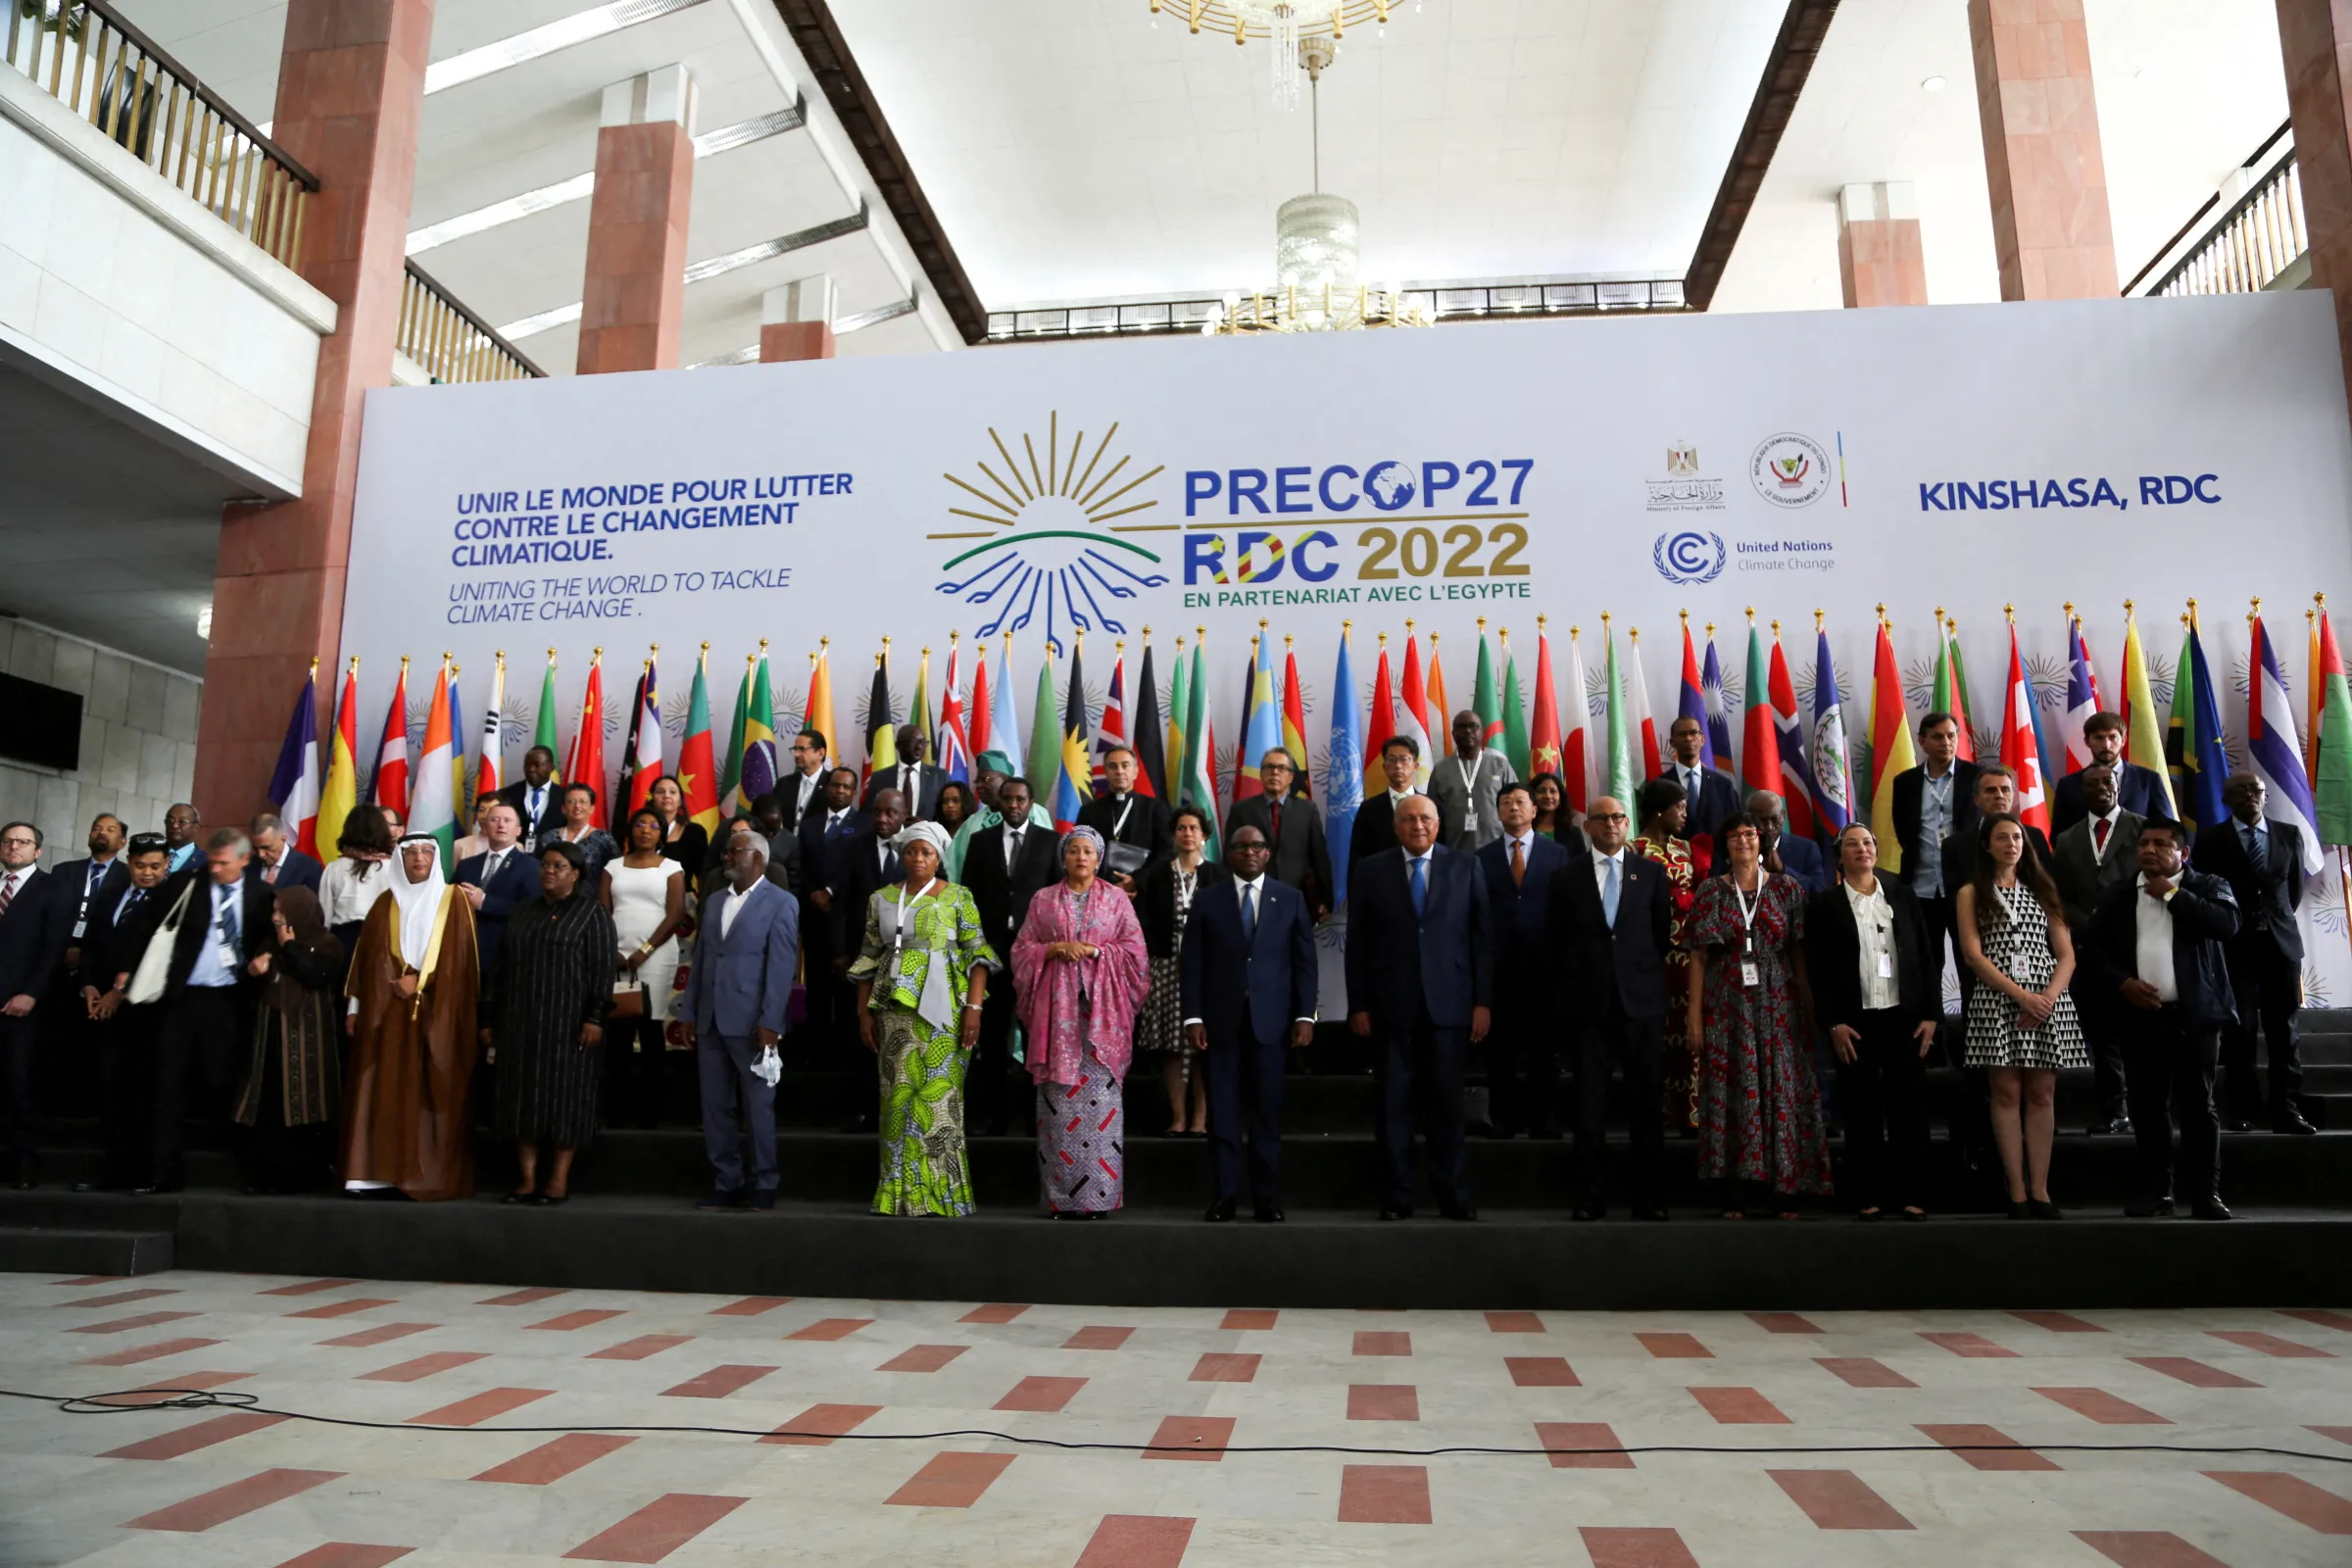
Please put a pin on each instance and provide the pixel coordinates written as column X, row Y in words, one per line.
column 547, row 1003
column 292, row 1089
column 683, row 839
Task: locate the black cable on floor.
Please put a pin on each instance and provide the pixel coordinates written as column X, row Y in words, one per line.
column 210, row 1398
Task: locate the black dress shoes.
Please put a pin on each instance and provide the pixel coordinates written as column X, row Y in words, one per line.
column 1396, row 1212
column 1465, row 1212
column 2294, row 1123
column 2212, row 1208
column 1270, row 1214
column 2153, row 1208
column 2234, row 1123
column 1221, row 1210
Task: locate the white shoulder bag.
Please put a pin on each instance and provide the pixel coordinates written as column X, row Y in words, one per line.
column 154, row 972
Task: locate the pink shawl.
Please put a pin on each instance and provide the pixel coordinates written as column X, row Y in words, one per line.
column 1114, row 981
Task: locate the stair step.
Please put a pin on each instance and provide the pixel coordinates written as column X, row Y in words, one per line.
column 58, row 1250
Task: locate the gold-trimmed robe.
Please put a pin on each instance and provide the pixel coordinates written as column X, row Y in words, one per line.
column 407, row 1113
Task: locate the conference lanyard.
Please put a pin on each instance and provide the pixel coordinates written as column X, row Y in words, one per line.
column 1750, row 974
column 1119, row 823
column 898, row 932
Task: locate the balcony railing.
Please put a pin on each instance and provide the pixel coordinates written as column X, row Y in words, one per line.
column 106, row 70
column 449, row 341
column 2240, row 246
column 1440, row 303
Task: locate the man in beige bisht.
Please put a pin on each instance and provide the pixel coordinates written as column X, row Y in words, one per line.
column 415, row 981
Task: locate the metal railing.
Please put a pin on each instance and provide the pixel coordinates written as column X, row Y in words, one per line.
column 449, row 341
column 2254, row 239
column 1440, row 303
column 109, row 74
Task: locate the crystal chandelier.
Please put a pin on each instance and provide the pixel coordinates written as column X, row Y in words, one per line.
column 1284, row 24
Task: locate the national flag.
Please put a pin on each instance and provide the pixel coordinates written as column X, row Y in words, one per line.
column 1294, row 724
column 1891, row 749
column 1691, row 696
column 2316, row 695
column 1831, row 774
column 645, row 760
column 760, row 769
column 2331, row 793
column 1044, row 733
column 2082, row 695
column 698, row 763
column 730, row 783
column 1795, row 787
column 956, row 751
column 2143, row 731
column 1343, row 779
column 296, row 785
column 1262, row 733
column 1617, row 779
column 1580, row 756
column 1178, row 760
column 1004, row 714
column 1719, row 720
column 977, row 720
column 490, row 769
column 1412, row 708
column 1515, row 746
column 1076, row 746
column 1486, row 699
column 1111, row 730
column 919, row 707
column 431, row 807
column 1759, row 736
column 1380, row 725
column 1201, row 744
column 2021, row 745
column 341, row 790
column 1545, row 750
column 1241, row 745
column 1643, row 729
column 1437, row 714
column 545, row 731
column 1951, row 687
column 624, row 788
column 2193, row 744
column 816, row 709
column 2277, row 755
column 881, row 724
column 459, row 800
column 1150, row 733
column 586, row 764
column 389, row 788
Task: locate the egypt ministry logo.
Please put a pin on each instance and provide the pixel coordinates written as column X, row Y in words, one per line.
column 1048, row 553
column 1790, row 470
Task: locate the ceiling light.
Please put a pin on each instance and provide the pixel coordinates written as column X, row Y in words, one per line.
column 1284, row 24
column 1933, row 84
column 561, row 34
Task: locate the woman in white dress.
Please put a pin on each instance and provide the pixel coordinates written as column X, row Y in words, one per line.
column 358, row 876
column 646, row 892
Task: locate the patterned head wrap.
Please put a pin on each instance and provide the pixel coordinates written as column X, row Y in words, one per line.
column 1085, row 834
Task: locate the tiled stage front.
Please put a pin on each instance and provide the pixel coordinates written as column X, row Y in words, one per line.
column 200, row 1488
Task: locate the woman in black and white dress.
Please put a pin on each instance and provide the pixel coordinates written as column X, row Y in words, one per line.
column 2022, row 1026
column 1163, row 903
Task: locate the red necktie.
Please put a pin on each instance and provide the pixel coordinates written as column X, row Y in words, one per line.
column 2098, row 834
column 1274, row 820
column 1518, row 863
column 8, row 891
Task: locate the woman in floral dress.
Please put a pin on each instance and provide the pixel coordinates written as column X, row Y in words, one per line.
column 920, row 977
column 1665, row 808
column 1759, row 1105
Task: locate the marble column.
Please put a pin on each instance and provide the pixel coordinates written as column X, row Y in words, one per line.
column 796, row 320
column 1878, row 256
column 2043, row 158
column 350, row 94
column 2316, row 38
column 633, row 299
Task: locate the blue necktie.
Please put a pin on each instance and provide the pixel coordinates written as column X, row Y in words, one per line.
column 228, row 922
column 2254, row 846
column 1249, row 914
column 1608, row 895
column 1420, row 887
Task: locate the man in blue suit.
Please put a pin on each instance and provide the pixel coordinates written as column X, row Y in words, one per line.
column 1802, row 858
column 740, row 984
column 276, row 861
column 1521, row 1063
column 2137, row 789
column 1420, row 976
column 495, row 880
column 1249, row 972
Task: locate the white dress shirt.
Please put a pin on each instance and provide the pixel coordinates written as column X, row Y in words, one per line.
column 1600, row 870
column 807, row 787
column 1873, row 925
column 2100, row 845
column 2153, row 958
column 735, row 900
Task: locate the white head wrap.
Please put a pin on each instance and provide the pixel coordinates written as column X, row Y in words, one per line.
column 930, row 833
column 418, row 902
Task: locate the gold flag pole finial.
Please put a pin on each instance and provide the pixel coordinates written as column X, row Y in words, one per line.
column 1710, row 631
column 2010, row 612
column 1686, row 619
column 2257, row 610
column 2319, row 599
column 1482, row 626
column 1776, row 631
column 1540, row 620
column 314, row 666
column 1604, row 620
column 1751, row 615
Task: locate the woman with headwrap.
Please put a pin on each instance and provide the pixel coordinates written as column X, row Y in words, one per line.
column 921, row 975
column 546, row 1008
column 292, row 1084
column 1081, row 972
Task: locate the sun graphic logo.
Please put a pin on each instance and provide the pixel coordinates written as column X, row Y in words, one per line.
column 1050, row 555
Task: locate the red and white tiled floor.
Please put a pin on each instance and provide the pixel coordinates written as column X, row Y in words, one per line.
column 199, row 1489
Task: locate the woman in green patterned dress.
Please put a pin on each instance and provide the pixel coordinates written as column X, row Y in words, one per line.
column 921, row 1020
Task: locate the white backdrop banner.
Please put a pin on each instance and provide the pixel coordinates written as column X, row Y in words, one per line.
column 1963, row 457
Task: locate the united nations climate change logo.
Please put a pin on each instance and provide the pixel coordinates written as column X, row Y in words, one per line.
column 1050, row 555
column 1790, row 470
column 1690, row 557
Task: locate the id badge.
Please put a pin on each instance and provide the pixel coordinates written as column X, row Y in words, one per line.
column 228, row 957
column 1886, row 966
column 1748, row 973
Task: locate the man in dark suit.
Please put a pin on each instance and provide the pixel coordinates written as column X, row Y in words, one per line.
column 35, row 915
column 1006, row 864
column 92, row 882
column 276, row 862
column 181, row 824
column 802, row 790
column 1712, row 793
column 2138, row 790
column 866, row 864
column 1935, row 803
column 1799, row 857
column 2099, row 853
column 1420, row 978
column 537, row 799
column 204, row 1023
column 2158, row 942
column 764, row 819
column 495, row 880
column 738, row 990
column 1248, row 975
column 1522, row 1062
column 918, row 784
column 1994, row 794
column 1131, row 824
column 2262, row 863
column 1293, row 829
column 1608, row 930
column 1375, row 827
column 122, row 1037
column 68, row 1057
column 825, row 833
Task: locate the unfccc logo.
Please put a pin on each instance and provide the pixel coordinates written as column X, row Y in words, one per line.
column 1690, row 557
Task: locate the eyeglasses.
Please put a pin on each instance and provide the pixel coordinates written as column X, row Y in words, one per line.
column 1605, row 816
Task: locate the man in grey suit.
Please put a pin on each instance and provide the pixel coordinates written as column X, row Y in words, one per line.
column 2099, row 853
column 1464, row 786
column 734, row 1004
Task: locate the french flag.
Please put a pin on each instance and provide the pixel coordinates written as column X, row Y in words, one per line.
column 296, row 783
column 2277, row 755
